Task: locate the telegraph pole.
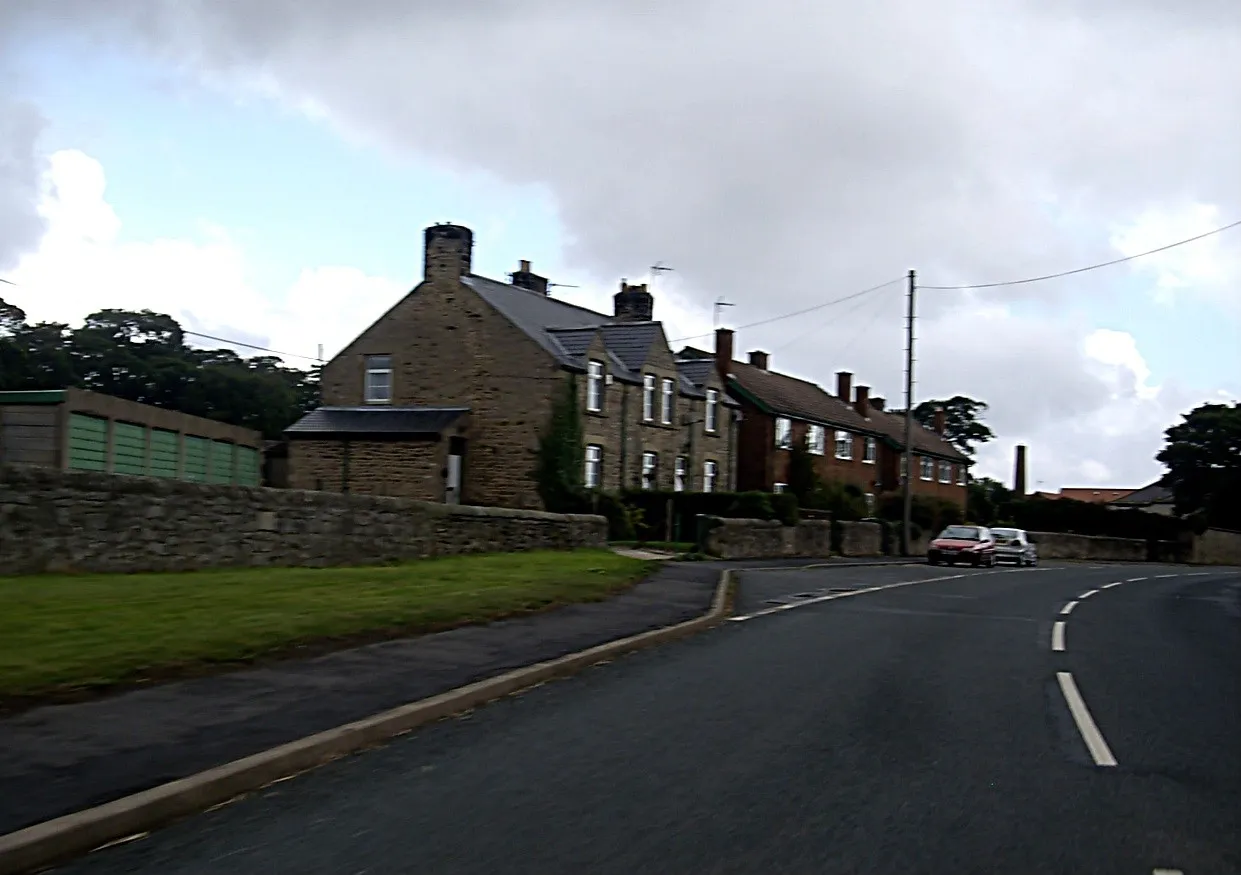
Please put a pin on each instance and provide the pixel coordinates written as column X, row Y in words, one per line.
column 907, row 486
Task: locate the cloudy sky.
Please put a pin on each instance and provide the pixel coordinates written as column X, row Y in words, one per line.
column 263, row 169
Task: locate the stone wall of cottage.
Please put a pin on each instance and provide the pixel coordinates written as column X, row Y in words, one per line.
column 84, row 522
column 450, row 348
column 404, row 469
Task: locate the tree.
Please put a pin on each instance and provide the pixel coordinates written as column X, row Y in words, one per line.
column 1203, row 455
column 562, row 452
column 962, row 426
column 803, row 480
column 988, row 499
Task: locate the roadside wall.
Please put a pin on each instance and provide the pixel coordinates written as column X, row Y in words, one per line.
column 861, row 539
column 76, row 521
column 1216, row 547
column 768, row 539
column 1055, row 545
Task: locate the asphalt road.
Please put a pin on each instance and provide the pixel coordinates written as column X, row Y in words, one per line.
column 939, row 722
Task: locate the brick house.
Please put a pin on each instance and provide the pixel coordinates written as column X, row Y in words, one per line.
column 852, row 436
column 445, row 396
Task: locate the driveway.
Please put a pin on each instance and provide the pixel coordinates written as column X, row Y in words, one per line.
column 941, row 722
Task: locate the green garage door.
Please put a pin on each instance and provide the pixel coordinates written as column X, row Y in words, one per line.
column 221, row 470
column 164, row 453
column 88, row 442
column 129, row 449
column 196, row 458
column 248, row 467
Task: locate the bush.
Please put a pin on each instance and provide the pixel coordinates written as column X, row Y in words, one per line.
column 753, row 506
column 786, row 508
column 925, row 513
column 1070, row 516
column 686, row 506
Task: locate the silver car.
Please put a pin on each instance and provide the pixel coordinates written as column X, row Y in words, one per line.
column 1014, row 545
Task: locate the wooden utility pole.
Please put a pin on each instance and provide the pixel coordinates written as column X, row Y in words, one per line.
column 907, row 486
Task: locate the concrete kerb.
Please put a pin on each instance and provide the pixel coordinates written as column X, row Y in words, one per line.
column 63, row 838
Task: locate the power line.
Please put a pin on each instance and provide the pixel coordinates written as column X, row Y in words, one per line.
column 224, row 340
column 857, row 307
column 800, row 312
column 1052, row 276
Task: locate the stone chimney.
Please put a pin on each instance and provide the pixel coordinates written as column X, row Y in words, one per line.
column 861, row 401
column 759, row 359
column 877, row 403
column 447, row 252
column 844, row 386
column 1019, row 471
column 632, row 303
column 523, row 278
column 724, row 352
column 940, row 420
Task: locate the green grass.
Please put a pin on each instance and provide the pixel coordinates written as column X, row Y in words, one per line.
column 64, row 633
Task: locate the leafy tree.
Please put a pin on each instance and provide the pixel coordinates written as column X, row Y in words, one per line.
column 988, row 500
column 803, row 480
column 142, row 356
column 963, row 427
column 561, row 455
column 1203, row 455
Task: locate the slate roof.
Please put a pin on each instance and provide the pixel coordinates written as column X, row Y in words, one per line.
column 1156, row 493
column 1092, row 494
column 327, row 421
column 924, row 440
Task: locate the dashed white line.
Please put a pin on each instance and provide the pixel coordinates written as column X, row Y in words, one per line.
column 1057, row 636
column 1167, row 872
column 1098, row 748
column 1135, row 579
column 1165, row 576
column 1068, row 609
column 1113, row 583
column 1087, row 594
column 1199, row 574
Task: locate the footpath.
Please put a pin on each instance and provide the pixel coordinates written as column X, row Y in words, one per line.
column 58, row 759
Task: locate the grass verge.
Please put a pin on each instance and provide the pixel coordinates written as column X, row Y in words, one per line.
column 65, row 636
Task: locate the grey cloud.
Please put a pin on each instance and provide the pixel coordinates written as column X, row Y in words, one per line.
column 786, row 153
column 21, row 166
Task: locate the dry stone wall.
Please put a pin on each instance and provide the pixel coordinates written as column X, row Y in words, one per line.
column 768, row 539
column 72, row 521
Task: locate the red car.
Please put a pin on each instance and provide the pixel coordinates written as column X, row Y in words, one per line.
column 972, row 544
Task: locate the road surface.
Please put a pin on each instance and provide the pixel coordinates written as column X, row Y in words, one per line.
column 1061, row 719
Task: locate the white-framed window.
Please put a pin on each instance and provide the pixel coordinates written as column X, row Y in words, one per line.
column 844, row 445
column 379, row 379
column 945, row 472
column 665, row 401
column 710, row 471
column 784, row 432
column 961, row 475
column 928, row 468
column 870, row 503
column 870, row 451
column 650, row 464
column 594, row 466
column 594, row 386
column 648, row 397
column 816, row 440
column 711, row 420
column 777, row 488
column 679, row 470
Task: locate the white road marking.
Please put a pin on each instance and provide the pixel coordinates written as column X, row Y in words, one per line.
column 1199, row 574
column 1167, row 872
column 1068, row 609
column 801, row 603
column 1165, row 576
column 1135, row 579
column 1098, row 748
column 1112, row 584
column 1087, row 594
column 1057, row 636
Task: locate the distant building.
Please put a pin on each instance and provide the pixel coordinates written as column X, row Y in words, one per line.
column 1154, row 498
column 78, row 430
column 1090, row 494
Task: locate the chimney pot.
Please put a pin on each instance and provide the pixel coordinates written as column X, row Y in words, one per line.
column 940, row 420
column 633, row 303
column 844, row 386
column 861, row 402
column 723, row 351
column 877, row 403
column 759, row 359
column 525, row 266
column 524, row 278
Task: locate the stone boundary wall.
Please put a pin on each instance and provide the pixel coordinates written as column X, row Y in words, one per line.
column 85, row 522
column 768, row 539
column 1216, row 547
column 1057, row 545
column 861, row 539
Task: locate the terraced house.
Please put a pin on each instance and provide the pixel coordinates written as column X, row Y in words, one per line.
column 854, row 438
column 445, row 396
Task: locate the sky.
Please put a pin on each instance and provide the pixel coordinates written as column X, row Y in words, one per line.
column 263, row 171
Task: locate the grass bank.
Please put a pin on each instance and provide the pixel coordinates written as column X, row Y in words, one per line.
column 67, row 635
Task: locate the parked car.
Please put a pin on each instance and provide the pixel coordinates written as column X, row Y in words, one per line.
column 972, row 544
column 1014, row 545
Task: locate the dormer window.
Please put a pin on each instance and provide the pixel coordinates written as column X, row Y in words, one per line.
column 378, row 386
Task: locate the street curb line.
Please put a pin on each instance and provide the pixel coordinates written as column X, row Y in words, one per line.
column 72, row 835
